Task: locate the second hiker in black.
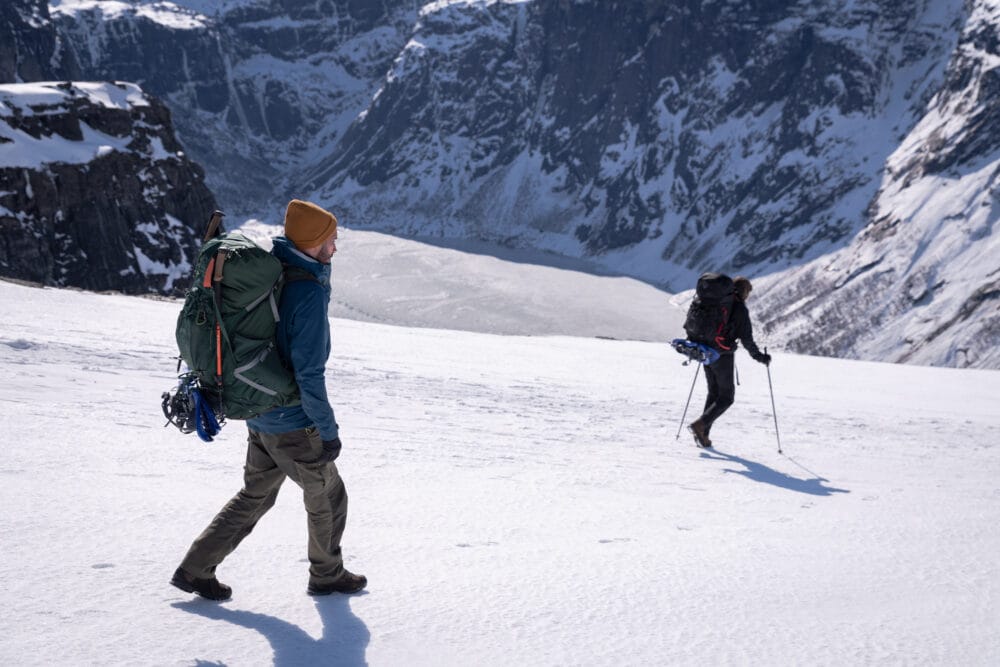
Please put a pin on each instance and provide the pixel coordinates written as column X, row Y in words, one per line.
column 719, row 375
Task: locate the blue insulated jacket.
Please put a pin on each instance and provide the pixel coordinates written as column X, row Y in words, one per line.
column 303, row 339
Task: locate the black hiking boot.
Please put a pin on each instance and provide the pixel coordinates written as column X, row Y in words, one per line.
column 211, row 589
column 700, row 433
column 347, row 584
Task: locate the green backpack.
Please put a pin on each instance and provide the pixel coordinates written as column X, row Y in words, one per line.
column 226, row 330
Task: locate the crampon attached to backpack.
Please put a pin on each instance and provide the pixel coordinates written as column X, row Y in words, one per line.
column 191, row 410
column 699, row 352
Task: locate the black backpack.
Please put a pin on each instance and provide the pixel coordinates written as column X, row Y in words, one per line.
column 709, row 312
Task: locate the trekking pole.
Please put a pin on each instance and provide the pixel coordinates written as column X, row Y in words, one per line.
column 679, row 427
column 773, row 411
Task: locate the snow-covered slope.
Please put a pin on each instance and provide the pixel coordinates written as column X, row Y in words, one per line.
column 514, row 501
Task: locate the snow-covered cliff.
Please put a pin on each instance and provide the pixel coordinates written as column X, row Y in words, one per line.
column 95, row 192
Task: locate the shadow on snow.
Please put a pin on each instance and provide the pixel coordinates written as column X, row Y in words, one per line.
column 759, row 472
column 344, row 641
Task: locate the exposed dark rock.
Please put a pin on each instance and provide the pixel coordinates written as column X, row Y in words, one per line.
column 627, row 118
column 113, row 205
column 31, row 49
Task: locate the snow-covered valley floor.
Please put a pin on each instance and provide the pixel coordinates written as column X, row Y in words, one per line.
column 514, row 501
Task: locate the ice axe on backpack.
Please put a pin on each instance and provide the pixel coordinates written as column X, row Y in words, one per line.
column 214, row 226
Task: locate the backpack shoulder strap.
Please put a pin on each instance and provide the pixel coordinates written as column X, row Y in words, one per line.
column 294, row 274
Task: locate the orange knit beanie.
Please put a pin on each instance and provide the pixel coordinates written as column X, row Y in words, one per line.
column 307, row 225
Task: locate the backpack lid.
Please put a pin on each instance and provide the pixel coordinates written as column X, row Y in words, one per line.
column 713, row 287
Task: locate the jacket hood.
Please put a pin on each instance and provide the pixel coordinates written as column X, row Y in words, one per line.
column 286, row 251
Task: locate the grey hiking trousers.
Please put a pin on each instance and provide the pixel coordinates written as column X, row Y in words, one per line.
column 271, row 457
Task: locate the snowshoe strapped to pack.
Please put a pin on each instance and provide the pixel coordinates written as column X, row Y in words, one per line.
column 186, row 408
column 699, row 352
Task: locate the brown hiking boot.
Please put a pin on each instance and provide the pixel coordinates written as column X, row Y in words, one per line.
column 700, row 433
column 211, row 589
column 347, row 584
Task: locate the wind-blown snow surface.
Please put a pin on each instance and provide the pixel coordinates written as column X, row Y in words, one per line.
column 514, row 501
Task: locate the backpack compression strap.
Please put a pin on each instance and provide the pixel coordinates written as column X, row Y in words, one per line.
column 720, row 336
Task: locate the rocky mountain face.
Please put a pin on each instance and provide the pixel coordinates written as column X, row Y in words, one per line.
column 95, row 191
column 745, row 136
column 839, row 153
column 258, row 89
column 921, row 282
column 804, row 142
column 31, row 49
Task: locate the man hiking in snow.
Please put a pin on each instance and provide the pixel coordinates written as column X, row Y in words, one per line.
column 719, row 375
column 299, row 441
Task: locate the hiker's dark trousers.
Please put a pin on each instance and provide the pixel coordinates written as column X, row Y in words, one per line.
column 271, row 457
column 721, row 390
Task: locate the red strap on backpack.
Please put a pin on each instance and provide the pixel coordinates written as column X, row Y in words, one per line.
column 719, row 338
column 213, row 280
column 207, row 280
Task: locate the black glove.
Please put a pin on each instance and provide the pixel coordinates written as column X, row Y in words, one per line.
column 764, row 359
column 331, row 450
